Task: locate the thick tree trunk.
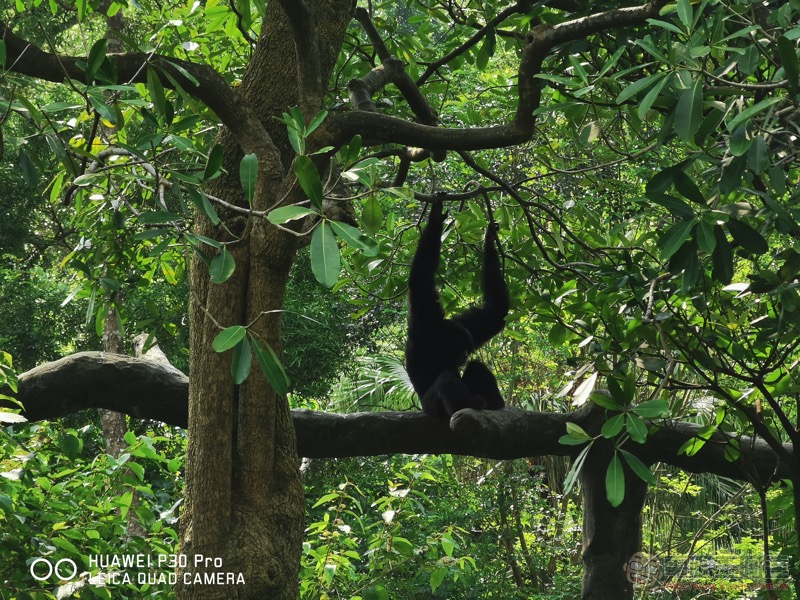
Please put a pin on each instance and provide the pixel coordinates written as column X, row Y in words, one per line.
column 611, row 536
column 244, row 496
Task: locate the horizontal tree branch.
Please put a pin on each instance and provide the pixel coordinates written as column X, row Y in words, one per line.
column 381, row 129
column 146, row 389
column 210, row 88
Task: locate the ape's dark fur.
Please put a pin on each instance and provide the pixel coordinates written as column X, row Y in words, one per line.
column 436, row 346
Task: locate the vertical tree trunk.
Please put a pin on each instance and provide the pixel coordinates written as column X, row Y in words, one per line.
column 244, row 496
column 611, row 536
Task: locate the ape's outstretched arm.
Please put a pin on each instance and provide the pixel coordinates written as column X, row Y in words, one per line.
column 485, row 321
column 423, row 300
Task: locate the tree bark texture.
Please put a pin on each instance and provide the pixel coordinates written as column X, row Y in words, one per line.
column 611, row 536
column 244, row 496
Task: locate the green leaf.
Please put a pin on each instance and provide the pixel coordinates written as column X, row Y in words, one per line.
column 685, row 13
column 674, row 238
column 615, row 482
column 248, row 174
column 740, row 141
column 637, row 466
column 324, row 255
column 613, row 426
column 676, row 206
column 371, row 216
column 704, row 234
column 487, row 50
column 214, row 163
column 747, row 237
column 105, row 111
column 376, row 592
column 688, row 188
column 652, row 95
column 575, row 469
column 222, row 266
column 296, row 139
column 749, row 113
column 636, row 428
column 689, row 111
column 722, row 258
column 355, row 238
column 28, row 168
column 316, row 121
column 308, row 176
column 576, row 431
column 606, row 401
column 272, row 368
column 228, row 338
column 97, row 55
column 791, row 67
column 437, row 577
column 2, row 54
column 242, row 361
column 157, row 96
column 558, row 335
column 652, row 409
column 285, row 214
column 638, row 86
column 758, row 155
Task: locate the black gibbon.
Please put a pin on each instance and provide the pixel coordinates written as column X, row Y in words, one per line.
column 437, row 347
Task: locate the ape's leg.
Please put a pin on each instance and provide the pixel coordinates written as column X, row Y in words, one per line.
column 447, row 395
column 482, row 385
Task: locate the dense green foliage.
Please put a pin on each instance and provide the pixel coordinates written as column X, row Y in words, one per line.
column 649, row 232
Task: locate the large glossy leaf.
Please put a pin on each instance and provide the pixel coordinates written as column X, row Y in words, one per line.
column 156, row 89
column 637, row 466
column 242, row 361
column 371, row 216
column 222, row 266
column 353, row 237
column 688, row 188
column 722, row 258
column 613, row 426
column 214, row 163
column 285, row 214
column 689, row 111
column 615, row 482
column 97, row 55
column 791, row 68
column 228, row 338
column 248, row 175
column 272, row 367
column 325, row 263
column 747, row 237
column 674, row 238
column 704, row 234
column 309, row 179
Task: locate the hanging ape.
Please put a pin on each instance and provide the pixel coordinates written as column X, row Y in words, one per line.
column 436, row 346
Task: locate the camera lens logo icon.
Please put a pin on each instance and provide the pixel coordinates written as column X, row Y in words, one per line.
column 61, row 569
